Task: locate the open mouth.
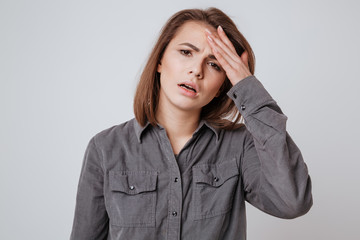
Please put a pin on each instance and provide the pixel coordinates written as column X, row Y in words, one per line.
column 187, row 87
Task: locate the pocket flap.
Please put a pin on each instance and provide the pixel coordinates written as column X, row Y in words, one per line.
column 133, row 182
column 215, row 175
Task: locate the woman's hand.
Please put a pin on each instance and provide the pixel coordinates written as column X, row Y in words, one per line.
column 236, row 67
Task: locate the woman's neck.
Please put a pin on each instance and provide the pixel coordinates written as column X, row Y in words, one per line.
column 179, row 125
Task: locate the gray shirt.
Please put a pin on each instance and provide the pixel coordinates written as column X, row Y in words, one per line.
column 132, row 187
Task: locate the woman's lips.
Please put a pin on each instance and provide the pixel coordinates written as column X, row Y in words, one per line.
column 188, row 90
column 187, row 87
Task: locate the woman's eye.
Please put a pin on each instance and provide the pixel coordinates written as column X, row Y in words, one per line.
column 185, row 52
column 214, row 66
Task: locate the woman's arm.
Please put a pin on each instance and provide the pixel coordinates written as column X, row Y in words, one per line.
column 275, row 176
column 91, row 219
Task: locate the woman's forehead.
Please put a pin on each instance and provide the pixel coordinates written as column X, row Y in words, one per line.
column 192, row 30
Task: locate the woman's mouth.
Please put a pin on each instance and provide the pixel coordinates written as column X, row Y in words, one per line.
column 187, row 87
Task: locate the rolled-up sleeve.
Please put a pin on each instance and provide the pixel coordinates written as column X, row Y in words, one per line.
column 275, row 176
column 90, row 219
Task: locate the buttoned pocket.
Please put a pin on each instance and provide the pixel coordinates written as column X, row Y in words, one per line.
column 132, row 199
column 214, row 187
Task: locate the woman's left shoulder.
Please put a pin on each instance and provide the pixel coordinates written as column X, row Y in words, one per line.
column 238, row 132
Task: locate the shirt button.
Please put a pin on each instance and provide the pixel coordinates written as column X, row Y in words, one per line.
column 132, row 187
column 176, row 179
column 216, row 179
column 242, row 107
column 174, row 214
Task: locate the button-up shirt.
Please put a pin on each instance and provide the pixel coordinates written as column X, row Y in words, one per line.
column 132, row 186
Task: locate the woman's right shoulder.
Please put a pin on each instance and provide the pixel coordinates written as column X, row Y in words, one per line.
column 116, row 134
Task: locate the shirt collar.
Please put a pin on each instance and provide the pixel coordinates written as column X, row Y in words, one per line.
column 207, row 124
column 140, row 129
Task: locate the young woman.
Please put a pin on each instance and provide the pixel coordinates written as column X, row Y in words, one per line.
column 183, row 168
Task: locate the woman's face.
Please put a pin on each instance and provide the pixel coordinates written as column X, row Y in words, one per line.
column 190, row 76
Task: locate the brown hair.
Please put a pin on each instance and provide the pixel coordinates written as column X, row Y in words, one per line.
column 221, row 111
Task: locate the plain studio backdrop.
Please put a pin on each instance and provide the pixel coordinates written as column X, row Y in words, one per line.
column 69, row 69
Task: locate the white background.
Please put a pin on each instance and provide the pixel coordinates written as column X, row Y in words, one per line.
column 68, row 69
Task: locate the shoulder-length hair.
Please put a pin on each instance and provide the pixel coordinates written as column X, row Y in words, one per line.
column 221, row 111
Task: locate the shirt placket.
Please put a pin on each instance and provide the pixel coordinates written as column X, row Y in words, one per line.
column 175, row 190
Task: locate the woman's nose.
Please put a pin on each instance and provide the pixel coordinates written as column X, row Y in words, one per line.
column 197, row 70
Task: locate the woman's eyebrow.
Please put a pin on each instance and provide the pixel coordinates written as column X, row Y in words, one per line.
column 190, row 45
column 196, row 49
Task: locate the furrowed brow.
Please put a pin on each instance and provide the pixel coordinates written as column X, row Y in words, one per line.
column 211, row 56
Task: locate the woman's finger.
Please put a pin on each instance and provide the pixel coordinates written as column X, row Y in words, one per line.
column 235, row 66
column 220, row 44
column 224, row 59
column 245, row 58
column 225, row 65
column 225, row 39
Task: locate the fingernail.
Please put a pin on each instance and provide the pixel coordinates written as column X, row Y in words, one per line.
column 221, row 29
column 210, row 39
column 208, row 31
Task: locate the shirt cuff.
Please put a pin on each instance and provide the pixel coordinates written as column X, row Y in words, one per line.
column 249, row 94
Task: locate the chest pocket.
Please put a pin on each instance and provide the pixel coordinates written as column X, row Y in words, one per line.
column 132, row 198
column 214, row 187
